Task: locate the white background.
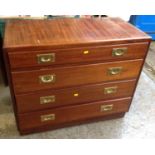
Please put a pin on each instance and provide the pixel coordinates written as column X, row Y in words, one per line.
column 121, row 8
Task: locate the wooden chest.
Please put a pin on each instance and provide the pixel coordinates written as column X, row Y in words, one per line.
column 68, row 71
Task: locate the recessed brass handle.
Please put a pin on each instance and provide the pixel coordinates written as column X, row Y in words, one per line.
column 47, row 78
column 49, row 117
column 116, row 52
column 115, row 70
column 110, row 90
column 106, row 107
column 46, row 58
column 47, row 99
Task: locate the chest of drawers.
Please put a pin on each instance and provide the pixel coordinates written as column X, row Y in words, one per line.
column 68, row 71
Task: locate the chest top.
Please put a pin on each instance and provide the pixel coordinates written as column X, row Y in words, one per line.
column 58, row 33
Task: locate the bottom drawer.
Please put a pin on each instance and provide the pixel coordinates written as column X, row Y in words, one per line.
column 72, row 113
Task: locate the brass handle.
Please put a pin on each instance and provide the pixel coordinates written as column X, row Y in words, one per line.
column 115, row 70
column 119, row 51
column 49, row 117
column 110, row 90
column 47, row 99
column 106, row 107
column 47, row 78
column 46, row 58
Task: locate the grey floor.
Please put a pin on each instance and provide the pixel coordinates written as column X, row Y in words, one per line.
column 139, row 122
column 149, row 67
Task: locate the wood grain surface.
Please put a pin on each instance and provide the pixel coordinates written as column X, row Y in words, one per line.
column 72, row 113
column 58, row 33
column 89, row 93
column 76, row 55
column 80, row 78
column 27, row 81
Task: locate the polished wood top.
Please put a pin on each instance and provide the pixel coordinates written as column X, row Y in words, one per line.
column 69, row 32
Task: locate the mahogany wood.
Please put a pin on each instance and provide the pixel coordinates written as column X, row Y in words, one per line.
column 89, row 93
column 65, row 33
column 76, row 72
column 26, row 81
column 75, row 122
column 71, row 113
column 76, row 55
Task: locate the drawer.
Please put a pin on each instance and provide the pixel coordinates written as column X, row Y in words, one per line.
column 51, row 57
column 72, row 113
column 55, row 98
column 60, row 77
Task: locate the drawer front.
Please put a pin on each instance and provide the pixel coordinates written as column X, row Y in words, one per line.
column 26, row 81
column 54, row 98
column 72, row 113
column 106, row 53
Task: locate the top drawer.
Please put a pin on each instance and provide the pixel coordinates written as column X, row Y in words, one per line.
column 66, row 56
